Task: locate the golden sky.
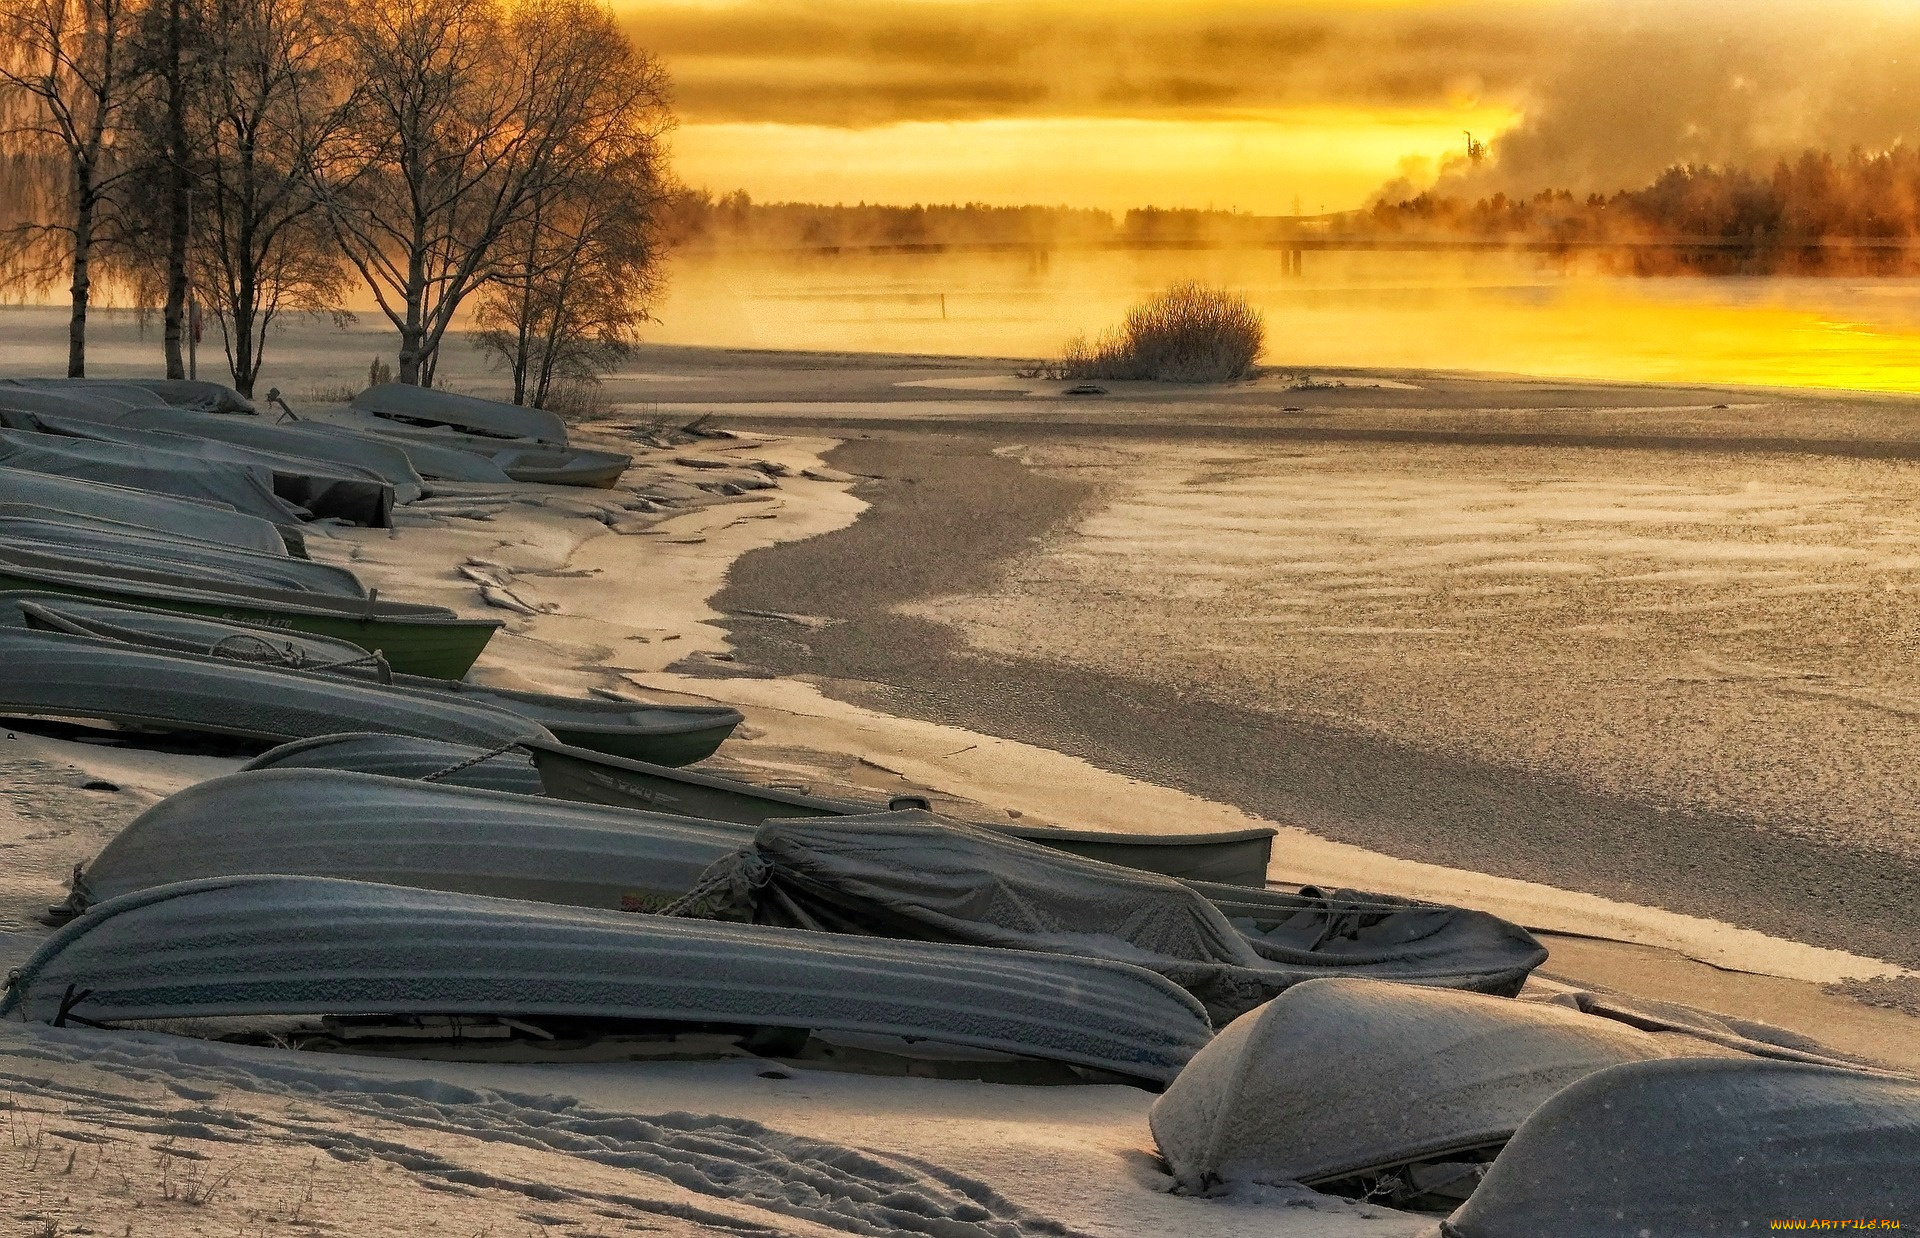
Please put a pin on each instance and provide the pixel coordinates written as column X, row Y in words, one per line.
column 1256, row 106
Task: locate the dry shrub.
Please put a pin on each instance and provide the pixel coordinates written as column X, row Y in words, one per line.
column 1188, row 334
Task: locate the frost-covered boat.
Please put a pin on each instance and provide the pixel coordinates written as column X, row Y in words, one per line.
column 912, row 874
column 667, row 734
column 423, row 406
column 307, row 946
column 243, row 487
column 322, row 489
column 156, row 556
column 1704, row 1146
column 58, row 498
column 54, row 674
column 1343, row 1078
column 429, row 835
column 420, row 640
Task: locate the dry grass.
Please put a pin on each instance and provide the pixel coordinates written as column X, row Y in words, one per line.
column 1188, row 334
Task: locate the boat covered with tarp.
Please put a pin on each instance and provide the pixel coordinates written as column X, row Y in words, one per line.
column 191, row 393
column 434, row 461
column 1346, row 1078
column 668, row 734
column 424, row 406
column 322, row 489
column 1705, row 1146
column 54, row 674
column 313, row 946
column 380, row 460
column 914, row 875
column 421, row 640
column 430, row 835
column 245, row 488
column 203, row 520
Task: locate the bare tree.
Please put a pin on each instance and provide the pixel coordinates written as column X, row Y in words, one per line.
column 578, row 273
column 460, row 119
column 67, row 76
column 263, row 113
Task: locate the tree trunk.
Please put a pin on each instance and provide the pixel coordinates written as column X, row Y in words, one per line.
column 178, row 200
column 82, row 288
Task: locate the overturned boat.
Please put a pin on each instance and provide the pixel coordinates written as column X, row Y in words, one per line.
column 149, row 555
column 51, row 674
column 666, row 734
column 914, row 875
column 1704, row 1146
column 420, row 640
column 1237, row 857
column 70, row 498
column 423, row 406
column 423, row 834
column 520, row 459
column 305, row 946
column 1348, row 1078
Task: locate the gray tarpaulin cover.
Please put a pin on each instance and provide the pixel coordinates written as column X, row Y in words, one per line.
column 431, row 460
column 323, row 488
column 1336, row 1077
column 363, row 455
column 405, row 756
column 19, row 405
column 205, row 521
column 243, row 487
column 912, row 874
column 1704, row 1146
column 66, row 676
column 329, row 823
column 195, row 394
column 403, row 401
column 311, row 945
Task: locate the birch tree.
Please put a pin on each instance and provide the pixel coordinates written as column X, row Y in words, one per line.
column 578, row 273
column 265, row 109
column 461, row 119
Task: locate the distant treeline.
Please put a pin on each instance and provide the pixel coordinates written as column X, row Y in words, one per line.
column 1816, row 214
column 697, row 219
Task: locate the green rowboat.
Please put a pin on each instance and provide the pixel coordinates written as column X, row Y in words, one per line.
column 429, row 641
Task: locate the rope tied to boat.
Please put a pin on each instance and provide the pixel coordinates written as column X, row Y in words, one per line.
column 377, row 660
column 472, row 761
column 725, row 890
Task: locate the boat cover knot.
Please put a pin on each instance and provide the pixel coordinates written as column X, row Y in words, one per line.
column 307, row 946
column 918, row 876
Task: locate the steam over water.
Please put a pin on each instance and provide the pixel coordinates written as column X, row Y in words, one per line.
column 1511, row 313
